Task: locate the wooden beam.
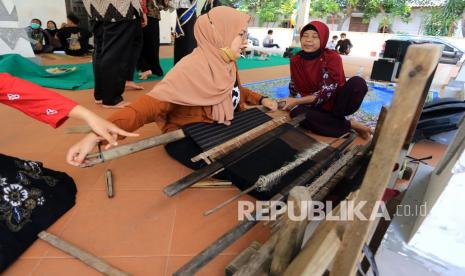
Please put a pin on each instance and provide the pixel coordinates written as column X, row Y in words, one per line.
column 291, row 234
column 87, row 258
column 419, row 63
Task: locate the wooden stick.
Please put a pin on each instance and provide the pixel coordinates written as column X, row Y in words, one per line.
column 419, row 62
column 109, row 180
column 259, row 262
column 116, row 152
column 229, row 145
column 319, row 250
column 212, row 183
column 87, row 258
column 291, row 234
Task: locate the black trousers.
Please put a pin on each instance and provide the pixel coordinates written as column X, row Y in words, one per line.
column 333, row 122
column 150, row 55
column 117, row 49
column 185, row 44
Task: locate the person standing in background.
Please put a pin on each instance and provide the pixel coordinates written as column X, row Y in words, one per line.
column 149, row 61
column 118, row 42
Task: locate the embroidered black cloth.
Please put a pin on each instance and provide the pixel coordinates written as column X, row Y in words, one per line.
column 31, row 199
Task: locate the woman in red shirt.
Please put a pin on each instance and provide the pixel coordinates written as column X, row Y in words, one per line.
column 318, row 76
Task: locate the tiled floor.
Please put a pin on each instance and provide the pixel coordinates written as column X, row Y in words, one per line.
column 140, row 230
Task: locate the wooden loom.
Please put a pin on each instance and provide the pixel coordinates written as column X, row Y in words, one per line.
column 337, row 245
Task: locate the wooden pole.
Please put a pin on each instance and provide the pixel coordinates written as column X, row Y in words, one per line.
column 116, row 152
column 291, row 233
column 87, row 258
column 419, row 63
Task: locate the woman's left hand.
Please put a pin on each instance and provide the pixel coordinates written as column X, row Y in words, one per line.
column 272, row 105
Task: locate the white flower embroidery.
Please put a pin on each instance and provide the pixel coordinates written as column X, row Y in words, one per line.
column 41, row 201
column 13, row 97
column 3, row 181
column 51, row 111
column 15, row 194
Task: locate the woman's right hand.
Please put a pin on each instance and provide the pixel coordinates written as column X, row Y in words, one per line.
column 289, row 103
column 77, row 153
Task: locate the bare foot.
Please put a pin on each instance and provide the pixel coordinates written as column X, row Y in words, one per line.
column 133, row 85
column 362, row 130
column 144, row 75
column 121, row 104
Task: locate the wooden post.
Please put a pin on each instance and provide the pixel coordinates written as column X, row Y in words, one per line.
column 87, row 258
column 291, row 234
column 419, row 63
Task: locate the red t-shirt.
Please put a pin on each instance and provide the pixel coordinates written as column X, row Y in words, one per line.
column 35, row 101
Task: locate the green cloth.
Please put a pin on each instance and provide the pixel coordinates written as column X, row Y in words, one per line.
column 82, row 76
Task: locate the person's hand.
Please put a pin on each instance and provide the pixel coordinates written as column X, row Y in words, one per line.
column 39, row 46
column 78, row 152
column 106, row 130
column 63, row 25
column 272, row 105
column 144, row 21
column 289, row 103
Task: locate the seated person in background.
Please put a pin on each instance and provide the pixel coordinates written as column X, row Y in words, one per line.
column 268, row 40
column 202, row 87
column 326, row 98
column 74, row 39
column 52, row 32
column 344, row 45
column 40, row 40
column 332, row 44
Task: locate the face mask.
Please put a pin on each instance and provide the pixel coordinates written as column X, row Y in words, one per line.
column 35, row 26
column 52, row 28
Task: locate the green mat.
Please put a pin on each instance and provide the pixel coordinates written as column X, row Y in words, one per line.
column 80, row 76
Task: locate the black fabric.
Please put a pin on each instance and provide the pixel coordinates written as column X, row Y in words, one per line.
column 32, row 198
column 150, row 55
column 246, row 172
column 310, row 56
column 208, row 135
column 333, row 123
column 74, row 40
column 117, row 49
column 439, row 116
column 185, row 44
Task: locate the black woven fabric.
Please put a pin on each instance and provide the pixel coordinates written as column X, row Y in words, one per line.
column 264, row 160
column 209, row 135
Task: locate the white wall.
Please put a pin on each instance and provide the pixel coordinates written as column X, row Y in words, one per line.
column 281, row 36
column 42, row 9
